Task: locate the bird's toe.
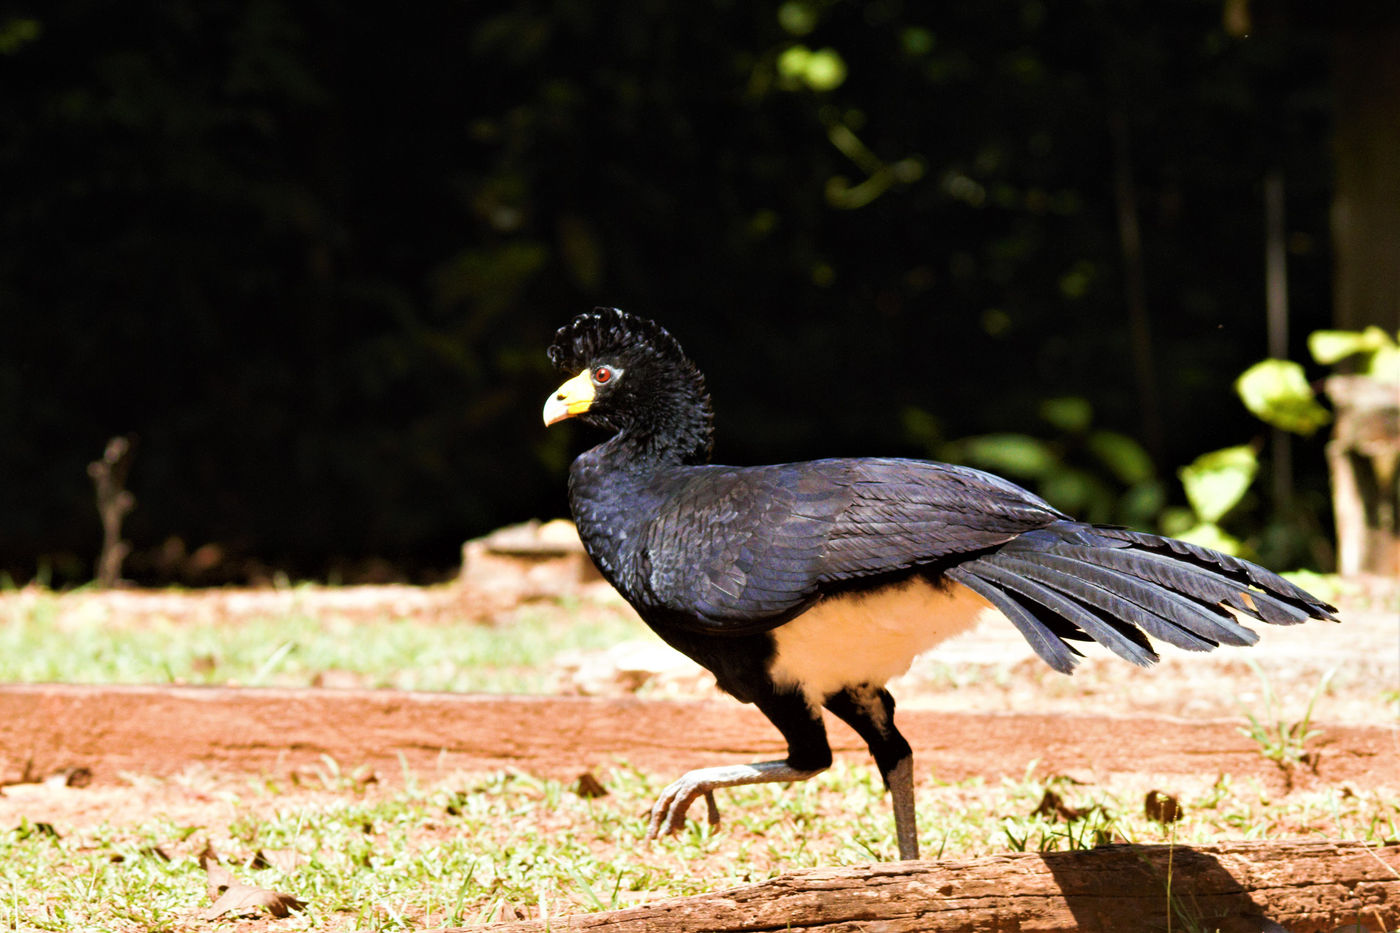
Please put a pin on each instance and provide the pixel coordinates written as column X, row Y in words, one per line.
column 668, row 813
column 712, row 807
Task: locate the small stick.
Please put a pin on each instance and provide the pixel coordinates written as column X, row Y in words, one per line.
column 113, row 503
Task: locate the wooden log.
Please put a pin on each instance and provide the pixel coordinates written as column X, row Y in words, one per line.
column 1298, row 887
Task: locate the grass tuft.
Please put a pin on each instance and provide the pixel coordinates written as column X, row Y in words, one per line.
column 1282, row 742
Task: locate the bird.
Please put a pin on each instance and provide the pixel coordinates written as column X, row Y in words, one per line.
column 807, row 586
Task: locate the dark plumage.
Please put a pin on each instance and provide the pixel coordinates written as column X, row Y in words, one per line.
column 809, row 585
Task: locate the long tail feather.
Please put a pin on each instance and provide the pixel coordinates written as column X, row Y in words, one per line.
column 1112, row 585
column 1123, row 640
column 1259, row 578
column 1173, row 607
column 1046, row 643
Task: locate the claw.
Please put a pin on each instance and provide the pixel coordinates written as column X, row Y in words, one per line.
column 713, row 807
column 668, row 813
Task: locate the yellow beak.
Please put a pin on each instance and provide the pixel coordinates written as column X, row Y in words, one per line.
column 572, row 398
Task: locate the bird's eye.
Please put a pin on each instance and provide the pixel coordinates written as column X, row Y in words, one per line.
column 602, row 375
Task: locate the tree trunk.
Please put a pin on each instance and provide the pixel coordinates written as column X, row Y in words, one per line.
column 1365, row 218
column 1363, row 458
column 1366, row 288
column 1237, row 888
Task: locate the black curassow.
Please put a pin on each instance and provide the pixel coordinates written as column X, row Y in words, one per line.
column 810, row 585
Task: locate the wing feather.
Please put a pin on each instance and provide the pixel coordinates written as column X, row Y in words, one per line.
column 745, row 549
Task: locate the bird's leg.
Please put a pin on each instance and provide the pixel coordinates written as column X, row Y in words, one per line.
column 808, row 754
column 870, row 711
column 900, row 781
column 668, row 814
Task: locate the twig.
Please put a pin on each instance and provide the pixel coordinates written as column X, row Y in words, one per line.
column 113, row 503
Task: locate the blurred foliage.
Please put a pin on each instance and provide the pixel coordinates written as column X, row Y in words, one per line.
column 1092, row 473
column 310, row 253
column 1379, row 351
column 1277, row 391
column 1215, row 483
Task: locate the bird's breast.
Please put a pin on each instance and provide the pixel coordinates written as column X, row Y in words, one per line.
column 869, row 637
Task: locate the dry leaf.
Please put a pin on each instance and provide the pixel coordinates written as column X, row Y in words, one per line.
column 507, row 912
column 207, row 856
column 336, row 679
column 1162, row 807
column 69, row 777
column 284, row 860
column 1052, row 806
column 239, row 899
column 233, row 896
column 589, row 787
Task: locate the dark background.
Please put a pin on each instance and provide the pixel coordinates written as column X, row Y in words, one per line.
column 309, row 254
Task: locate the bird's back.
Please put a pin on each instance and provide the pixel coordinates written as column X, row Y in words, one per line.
column 731, row 550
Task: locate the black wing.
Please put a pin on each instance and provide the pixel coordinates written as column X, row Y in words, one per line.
column 741, row 550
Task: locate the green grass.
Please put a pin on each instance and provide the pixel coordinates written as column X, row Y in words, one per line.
column 1280, row 741
column 38, row 644
column 406, row 857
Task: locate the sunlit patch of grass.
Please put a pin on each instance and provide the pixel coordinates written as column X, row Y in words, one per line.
column 405, row 855
column 294, row 649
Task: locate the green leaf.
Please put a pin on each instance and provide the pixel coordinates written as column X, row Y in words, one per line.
column 915, row 40
column 1077, row 491
column 1175, row 520
column 1216, row 481
column 921, row 427
column 1331, row 346
column 1017, row 454
column 821, row 70
column 1069, row 413
column 826, row 70
column 1385, row 365
column 1143, row 502
column 1277, row 392
column 792, row 64
column 17, row 32
column 1211, row 535
column 1125, row 457
column 797, row 17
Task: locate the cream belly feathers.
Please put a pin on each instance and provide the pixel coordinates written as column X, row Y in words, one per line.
column 869, row 638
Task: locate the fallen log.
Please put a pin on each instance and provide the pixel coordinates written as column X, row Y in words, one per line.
column 1298, row 887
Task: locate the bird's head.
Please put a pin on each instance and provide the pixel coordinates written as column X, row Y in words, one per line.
column 629, row 375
